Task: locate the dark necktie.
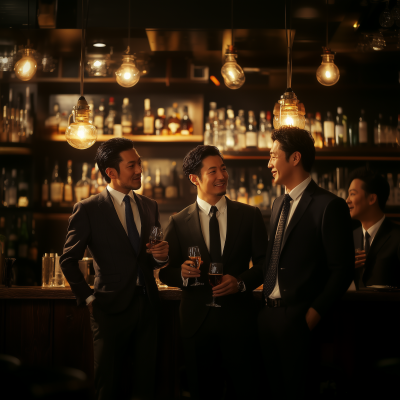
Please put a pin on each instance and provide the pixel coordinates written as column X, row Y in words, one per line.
column 270, row 278
column 215, row 239
column 367, row 247
column 133, row 233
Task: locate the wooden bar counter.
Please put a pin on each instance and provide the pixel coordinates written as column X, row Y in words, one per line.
column 44, row 326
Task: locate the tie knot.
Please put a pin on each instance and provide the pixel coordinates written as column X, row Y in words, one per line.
column 214, row 210
column 126, row 199
column 287, row 198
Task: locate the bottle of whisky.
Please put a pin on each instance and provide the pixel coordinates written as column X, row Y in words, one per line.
column 251, row 132
column 82, row 187
column 110, row 120
column 159, row 123
column 45, row 185
column 339, row 128
column 329, row 130
column 174, row 122
column 12, row 190
column 69, row 186
column 186, row 123
column 23, row 190
column 4, row 136
column 28, row 115
column 99, row 118
column 158, row 187
column 126, row 117
column 316, row 131
column 148, row 119
column 13, row 134
column 56, row 187
column 362, row 130
column 242, row 195
column 241, row 128
column 230, row 130
column 52, row 123
column 264, row 134
column 171, row 191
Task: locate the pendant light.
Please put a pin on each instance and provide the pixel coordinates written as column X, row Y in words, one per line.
column 128, row 74
column 288, row 111
column 327, row 73
column 26, row 67
column 231, row 71
column 81, row 134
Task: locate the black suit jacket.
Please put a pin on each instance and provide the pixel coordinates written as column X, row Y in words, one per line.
column 95, row 223
column 316, row 264
column 246, row 239
column 382, row 266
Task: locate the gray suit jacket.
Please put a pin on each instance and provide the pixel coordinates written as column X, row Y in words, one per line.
column 95, row 223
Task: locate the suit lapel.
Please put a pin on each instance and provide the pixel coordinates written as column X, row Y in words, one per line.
column 144, row 221
column 234, row 220
column 108, row 210
column 194, row 231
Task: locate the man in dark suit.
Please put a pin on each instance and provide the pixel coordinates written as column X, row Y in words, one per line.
column 378, row 238
column 219, row 342
column 115, row 225
column 309, row 262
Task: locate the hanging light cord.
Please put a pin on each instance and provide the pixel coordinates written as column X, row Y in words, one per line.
column 327, row 24
column 232, row 42
column 289, row 47
column 83, row 41
column 28, row 26
column 129, row 27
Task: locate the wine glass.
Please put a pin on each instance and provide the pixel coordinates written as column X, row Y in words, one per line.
column 215, row 278
column 156, row 236
column 195, row 256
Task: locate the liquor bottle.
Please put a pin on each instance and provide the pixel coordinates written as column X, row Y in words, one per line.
column 353, row 134
column 28, row 115
column 126, row 117
column 378, row 131
column 147, row 185
column 12, row 242
column 390, row 133
column 148, row 119
column 220, row 130
column 12, row 190
column 23, row 239
column 109, row 121
column 316, row 131
column 102, row 184
column 186, row 123
column 208, row 135
column 340, row 184
column 172, row 191
column 117, row 128
column 159, row 123
column 56, row 187
column 52, row 123
column 230, row 135
column 33, row 251
column 265, row 130
column 362, row 130
column 69, row 186
column 391, row 200
column 13, row 133
column 93, row 183
column 255, row 198
column 45, row 186
column 4, row 137
column 242, row 195
column 345, row 130
column 174, row 122
column 82, row 187
column 99, row 118
column 158, row 187
column 329, row 130
column 241, row 128
column 23, row 190
column 21, row 127
column 251, row 132
column 339, row 129
column 3, row 188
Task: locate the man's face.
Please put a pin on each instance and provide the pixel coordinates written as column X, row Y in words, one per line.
column 130, row 171
column 358, row 200
column 213, row 178
column 280, row 168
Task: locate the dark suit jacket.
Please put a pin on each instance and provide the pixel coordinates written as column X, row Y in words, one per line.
column 316, row 264
column 246, row 239
column 95, row 223
column 382, row 266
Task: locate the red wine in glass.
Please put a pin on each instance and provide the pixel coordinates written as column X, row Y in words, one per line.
column 215, row 279
column 215, row 274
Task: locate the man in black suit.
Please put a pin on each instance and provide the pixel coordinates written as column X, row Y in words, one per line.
column 115, row 225
column 378, row 238
column 309, row 262
column 219, row 343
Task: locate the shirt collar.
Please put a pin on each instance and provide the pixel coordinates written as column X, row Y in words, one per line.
column 119, row 196
column 299, row 189
column 206, row 207
column 373, row 230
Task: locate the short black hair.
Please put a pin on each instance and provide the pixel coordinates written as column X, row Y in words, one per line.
column 108, row 154
column 373, row 183
column 293, row 139
column 193, row 161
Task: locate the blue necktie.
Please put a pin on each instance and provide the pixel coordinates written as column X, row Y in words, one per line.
column 133, row 233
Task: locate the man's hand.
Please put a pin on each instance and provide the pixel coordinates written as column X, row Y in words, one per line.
column 189, row 271
column 361, row 257
column 90, row 307
column 159, row 251
column 227, row 286
column 312, row 318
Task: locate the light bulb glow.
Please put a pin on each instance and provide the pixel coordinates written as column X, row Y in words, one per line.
column 232, row 73
column 288, row 111
column 127, row 75
column 97, row 63
column 26, row 67
column 328, row 73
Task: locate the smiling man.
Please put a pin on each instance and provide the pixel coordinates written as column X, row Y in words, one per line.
column 219, row 342
column 309, row 262
column 378, row 238
column 115, row 225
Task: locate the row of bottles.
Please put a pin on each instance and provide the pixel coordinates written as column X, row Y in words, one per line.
column 17, row 239
column 112, row 121
column 229, row 132
column 17, row 118
column 14, row 188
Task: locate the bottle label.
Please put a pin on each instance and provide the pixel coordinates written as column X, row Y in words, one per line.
column 148, row 125
column 173, row 126
column 184, row 132
column 12, row 196
column 339, row 130
column 329, row 129
column 251, row 139
column 56, row 192
column 99, row 121
column 159, row 123
column 68, row 194
column 241, row 140
column 263, row 140
column 362, row 132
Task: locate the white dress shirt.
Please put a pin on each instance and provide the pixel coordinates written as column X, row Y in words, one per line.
column 373, row 230
column 296, row 195
column 205, row 216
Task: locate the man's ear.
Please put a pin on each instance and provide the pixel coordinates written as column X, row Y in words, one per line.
column 194, row 179
column 112, row 173
column 372, row 199
column 296, row 158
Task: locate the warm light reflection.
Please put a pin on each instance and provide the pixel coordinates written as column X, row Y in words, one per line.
column 214, row 80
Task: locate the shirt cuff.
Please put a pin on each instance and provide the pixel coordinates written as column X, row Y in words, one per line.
column 90, row 299
column 185, row 281
column 244, row 288
column 161, row 262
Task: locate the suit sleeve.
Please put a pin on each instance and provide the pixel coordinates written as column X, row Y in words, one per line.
column 253, row 277
column 171, row 274
column 78, row 237
column 337, row 239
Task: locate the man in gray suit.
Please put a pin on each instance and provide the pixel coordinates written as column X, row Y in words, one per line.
column 115, row 225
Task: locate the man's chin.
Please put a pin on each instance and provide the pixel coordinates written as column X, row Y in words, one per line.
column 222, row 193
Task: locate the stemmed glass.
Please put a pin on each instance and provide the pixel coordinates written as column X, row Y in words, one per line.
column 215, row 278
column 156, row 236
column 195, row 256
